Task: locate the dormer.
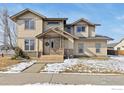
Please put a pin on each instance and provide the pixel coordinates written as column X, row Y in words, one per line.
column 83, row 28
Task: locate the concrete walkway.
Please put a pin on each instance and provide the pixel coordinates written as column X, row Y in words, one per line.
column 75, row 79
column 35, row 68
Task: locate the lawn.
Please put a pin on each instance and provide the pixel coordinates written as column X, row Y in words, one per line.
column 113, row 64
column 6, row 61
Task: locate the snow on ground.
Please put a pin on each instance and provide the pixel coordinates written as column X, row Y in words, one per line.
column 57, row 67
column 54, row 84
column 114, row 64
column 120, row 58
column 44, row 84
column 18, row 67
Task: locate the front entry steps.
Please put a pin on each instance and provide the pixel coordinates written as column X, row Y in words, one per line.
column 51, row 58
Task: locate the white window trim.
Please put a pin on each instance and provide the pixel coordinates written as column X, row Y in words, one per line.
column 53, row 24
column 30, row 19
column 29, row 44
column 98, row 48
column 80, row 26
column 82, row 48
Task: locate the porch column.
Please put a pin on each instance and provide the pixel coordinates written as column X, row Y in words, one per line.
column 60, row 41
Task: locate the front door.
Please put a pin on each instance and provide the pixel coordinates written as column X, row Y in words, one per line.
column 51, row 43
column 46, row 47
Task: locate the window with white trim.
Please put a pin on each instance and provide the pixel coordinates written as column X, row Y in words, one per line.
column 118, row 48
column 53, row 23
column 80, row 48
column 29, row 24
column 98, row 47
column 29, row 44
column 80, row 28
column 68, row 29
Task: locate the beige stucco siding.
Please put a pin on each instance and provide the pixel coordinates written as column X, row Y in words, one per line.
column 89, row 30
column 23, row 33
column 120, row 45
column 46, row 26
column 89, row 47
column 69, row 43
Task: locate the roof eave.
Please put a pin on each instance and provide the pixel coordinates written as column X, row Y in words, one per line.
column 25, row 10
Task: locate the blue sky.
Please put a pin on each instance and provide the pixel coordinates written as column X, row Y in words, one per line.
column 110, row 16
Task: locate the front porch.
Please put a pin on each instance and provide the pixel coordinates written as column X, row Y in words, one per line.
column 56, row 45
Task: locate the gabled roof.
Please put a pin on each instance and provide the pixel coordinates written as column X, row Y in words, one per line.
column 97, row 37
column 104, row 37
column 27, row 10
column 85, row 20
column 58, row 31
column 114, row 44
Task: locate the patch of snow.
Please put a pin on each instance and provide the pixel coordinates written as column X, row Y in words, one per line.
column 45, row 84
column 106, row 64
column 18, row 67
column 116, row 63
column 54, row 84
column 57, row 67
column 120, row 58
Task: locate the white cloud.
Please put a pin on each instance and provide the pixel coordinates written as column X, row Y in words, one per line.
column 120, row 17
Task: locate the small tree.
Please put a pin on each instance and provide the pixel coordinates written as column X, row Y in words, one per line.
column 8, row 27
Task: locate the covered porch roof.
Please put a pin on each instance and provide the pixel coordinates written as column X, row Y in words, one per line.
column 57, row 31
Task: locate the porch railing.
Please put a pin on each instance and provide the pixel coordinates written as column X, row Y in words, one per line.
column 54, row 51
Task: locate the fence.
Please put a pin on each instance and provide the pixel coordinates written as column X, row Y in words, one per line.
column 115, row 52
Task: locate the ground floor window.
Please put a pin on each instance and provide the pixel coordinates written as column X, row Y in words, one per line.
column 98, row 46
column 118, row 48
column 29, row 44
column 80, row 48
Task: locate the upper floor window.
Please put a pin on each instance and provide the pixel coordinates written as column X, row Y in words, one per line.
column 29, row 24
column 80, row 28
column 29, row 44
column 53, row 23
column 98, row 46
column 68, row 29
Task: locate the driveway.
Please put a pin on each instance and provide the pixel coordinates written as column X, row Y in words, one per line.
column 53, row 78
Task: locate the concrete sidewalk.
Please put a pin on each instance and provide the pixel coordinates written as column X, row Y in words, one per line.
column 75, row 79
column 35, row 68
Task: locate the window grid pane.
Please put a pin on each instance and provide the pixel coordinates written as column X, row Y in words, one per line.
column 32, row 24
column 29, row 44
column 53, row 23
column 29, row 24
column 98, row 46
column 80, row 48
column 80, row 28
column 26, row 44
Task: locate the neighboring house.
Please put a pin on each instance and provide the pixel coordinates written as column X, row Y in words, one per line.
column 6, row 50
column 116, row 46
column 38, row 35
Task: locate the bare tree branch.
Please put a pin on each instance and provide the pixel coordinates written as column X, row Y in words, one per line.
column 8, row 27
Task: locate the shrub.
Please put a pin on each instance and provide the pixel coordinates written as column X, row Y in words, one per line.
column 19, row 54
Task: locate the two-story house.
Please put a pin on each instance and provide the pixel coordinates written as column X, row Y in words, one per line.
column 38, row 35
